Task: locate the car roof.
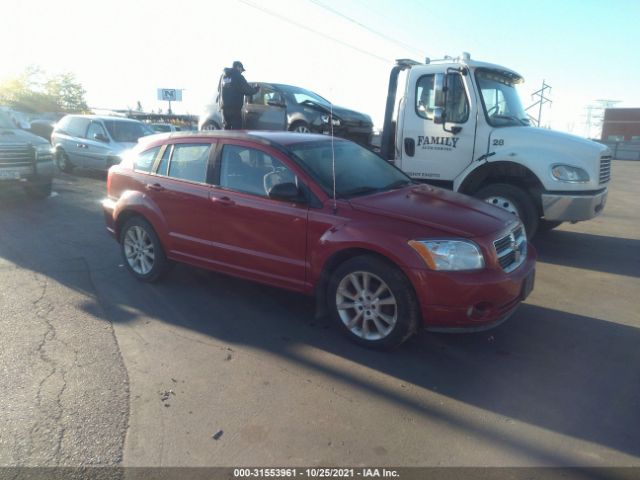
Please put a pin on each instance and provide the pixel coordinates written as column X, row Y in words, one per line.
column 104, row 117
column 273, row 138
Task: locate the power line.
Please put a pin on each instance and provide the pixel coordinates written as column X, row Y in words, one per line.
column 317, row 32
column 369, row 29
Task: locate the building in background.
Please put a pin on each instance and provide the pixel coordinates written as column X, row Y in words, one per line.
column 621, row 125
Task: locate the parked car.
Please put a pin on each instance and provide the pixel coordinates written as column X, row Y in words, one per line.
column 25, row 159
column 384, row 255
column 285, row 107
column 92, row 141
column 42, row 128
column 164, row 127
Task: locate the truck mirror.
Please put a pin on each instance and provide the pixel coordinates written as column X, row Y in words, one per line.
column 438, row 90
column 438, row 115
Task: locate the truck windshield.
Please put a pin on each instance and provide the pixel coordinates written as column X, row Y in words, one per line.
column 502, row 105
column 358, row 171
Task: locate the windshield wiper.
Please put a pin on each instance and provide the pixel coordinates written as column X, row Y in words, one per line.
column 360, row 191
column 510, row 117
column 398, row 184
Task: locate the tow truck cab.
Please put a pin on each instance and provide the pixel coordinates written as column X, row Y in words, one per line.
column 459, row 123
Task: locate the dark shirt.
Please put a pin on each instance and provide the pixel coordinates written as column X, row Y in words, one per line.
column 234, row 87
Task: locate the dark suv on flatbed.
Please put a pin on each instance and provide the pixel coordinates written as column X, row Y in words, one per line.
column 25, row 159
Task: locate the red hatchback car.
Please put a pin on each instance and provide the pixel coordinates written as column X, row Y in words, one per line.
column 383, row 255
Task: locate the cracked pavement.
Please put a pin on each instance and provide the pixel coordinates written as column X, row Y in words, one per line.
column 99, row 369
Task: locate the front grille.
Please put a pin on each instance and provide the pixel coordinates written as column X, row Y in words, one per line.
column 511, row 249
column 605, row 168
column 16, row 155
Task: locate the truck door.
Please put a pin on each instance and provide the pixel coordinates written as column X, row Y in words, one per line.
column 265, row 110
column 430, row 151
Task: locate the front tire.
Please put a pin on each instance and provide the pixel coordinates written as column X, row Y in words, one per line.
column 373, row 303
column 141, row 250
column 514, row 200
column 63, row 163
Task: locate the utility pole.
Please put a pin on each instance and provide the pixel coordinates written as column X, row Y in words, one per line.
column 595, row 114
column 540, row 102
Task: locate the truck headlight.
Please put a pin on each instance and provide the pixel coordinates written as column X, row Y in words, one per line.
column 449, row 254
column 568, row 173
column 44, row 153
column 335, row 122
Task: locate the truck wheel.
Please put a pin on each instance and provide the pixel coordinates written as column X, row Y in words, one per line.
column 141, row 250
column 39, row 191
column 300, row 127
column 373, row 302
column 547, row 225
column 63, row 162
column 513, row 200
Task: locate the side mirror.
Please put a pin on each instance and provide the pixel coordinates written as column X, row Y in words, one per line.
column 288, row 192
column 101, row 138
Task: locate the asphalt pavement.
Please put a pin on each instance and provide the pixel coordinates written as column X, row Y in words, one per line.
column 206, row 370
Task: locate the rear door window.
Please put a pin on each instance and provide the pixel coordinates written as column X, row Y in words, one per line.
column 189, row 162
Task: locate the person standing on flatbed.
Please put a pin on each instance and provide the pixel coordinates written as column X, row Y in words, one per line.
column 233, row 88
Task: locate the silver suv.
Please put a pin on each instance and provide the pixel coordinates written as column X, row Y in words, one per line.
column 92, row 141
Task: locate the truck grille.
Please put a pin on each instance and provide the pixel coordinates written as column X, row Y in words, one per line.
column 605, row 168
column 511, row 249
column 16, row 155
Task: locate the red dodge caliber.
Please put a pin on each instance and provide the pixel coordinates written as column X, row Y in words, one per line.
column 385, row 256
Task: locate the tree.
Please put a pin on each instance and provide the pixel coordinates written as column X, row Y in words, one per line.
column 35, row 91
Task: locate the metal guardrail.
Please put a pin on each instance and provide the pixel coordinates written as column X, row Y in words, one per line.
column 624, row 150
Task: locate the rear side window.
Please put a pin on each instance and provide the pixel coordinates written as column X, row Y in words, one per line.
column 189, row 162
column 144, row 161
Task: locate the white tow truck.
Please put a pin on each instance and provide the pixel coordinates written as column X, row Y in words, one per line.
column 459, row 123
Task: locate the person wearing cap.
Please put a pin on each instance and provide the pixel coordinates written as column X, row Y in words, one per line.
column 233, row 88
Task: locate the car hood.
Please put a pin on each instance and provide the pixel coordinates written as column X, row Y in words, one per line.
column 15, row 135
column 443, row 210
column 340, row 112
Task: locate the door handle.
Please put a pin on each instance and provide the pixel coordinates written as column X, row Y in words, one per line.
column 410, row 146
column 156, row 187
column 225, row 201
column 81, row 145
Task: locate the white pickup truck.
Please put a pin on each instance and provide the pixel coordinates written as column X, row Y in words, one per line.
column 459, row 123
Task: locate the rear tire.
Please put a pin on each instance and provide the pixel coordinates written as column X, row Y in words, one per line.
column 141, row 250
column 514, row 200
column 300, row 127
column 373, row 302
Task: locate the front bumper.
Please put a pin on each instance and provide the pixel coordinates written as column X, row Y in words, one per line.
column 41, row 174
column 573, row 207
column 472, row 301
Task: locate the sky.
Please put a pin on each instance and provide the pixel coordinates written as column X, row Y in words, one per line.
column 123, row 51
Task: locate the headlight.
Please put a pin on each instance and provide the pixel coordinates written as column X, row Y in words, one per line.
column 449, row 254
column 335, row 122
column 44, row 152
column 567, row 173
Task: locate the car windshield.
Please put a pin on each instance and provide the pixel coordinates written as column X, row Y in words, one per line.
column 302, row 95
column 501, row 101
column 358, row 171
column 5, row 121
column 123, row 131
